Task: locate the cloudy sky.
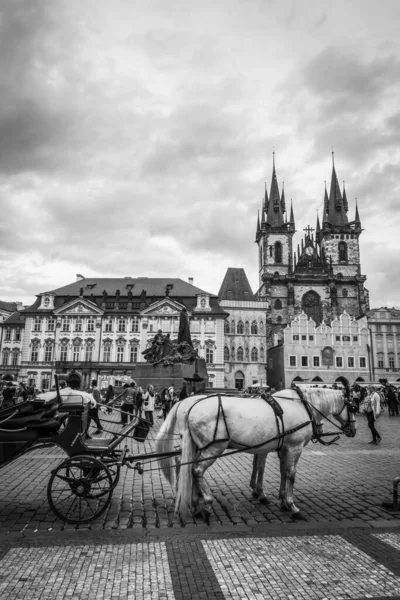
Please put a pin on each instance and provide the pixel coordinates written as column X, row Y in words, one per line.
column 136, row 135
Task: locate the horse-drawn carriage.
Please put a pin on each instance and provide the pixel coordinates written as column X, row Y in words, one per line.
column 80, row 488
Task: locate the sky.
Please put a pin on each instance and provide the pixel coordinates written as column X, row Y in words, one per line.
column 136, row 136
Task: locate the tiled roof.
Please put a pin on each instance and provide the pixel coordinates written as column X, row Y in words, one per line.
column 15, row 319
column 235, row 286
column 10, row 306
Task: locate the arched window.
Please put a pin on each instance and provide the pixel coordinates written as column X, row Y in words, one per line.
column 226, row 353
column 6, row 355
column 278, row 304
column 262, row 354
column 247, row 354
column 239, row 354
column 14, row 357
column 254, row 328
column 342, row 251
column 254, row 355
column 233, row 353
column 311, row 304
column 226, row 327
column 246, row 327
column 261, row 326
column 233, row 326
column 278, row 252
column 240, row 327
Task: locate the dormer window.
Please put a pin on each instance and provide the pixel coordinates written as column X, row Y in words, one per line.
column 46, row 301
column 203, row 303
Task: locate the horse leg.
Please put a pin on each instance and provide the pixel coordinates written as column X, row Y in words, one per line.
column 207, row 457
column 288, row 463
column 253, row 478
column 260, row 476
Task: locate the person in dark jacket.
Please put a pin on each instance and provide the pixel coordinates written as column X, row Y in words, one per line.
column 94, row 412
column 392, row 402
column 8, row 395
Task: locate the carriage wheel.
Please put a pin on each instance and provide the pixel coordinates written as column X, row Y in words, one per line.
column 80, row 489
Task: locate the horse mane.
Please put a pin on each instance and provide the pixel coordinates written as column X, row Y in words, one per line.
column 325, row 399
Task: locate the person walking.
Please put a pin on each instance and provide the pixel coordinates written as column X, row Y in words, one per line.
column 128, row 403
column 94, row 410
column 148, row 404
column 356, row 397
column 165, row 403
column 392, row 401
column 372, row 410
column 139, row 401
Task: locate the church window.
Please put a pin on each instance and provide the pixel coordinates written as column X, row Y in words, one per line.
column 342, row 246
column 254, row 328
column 226, row 353
column 239, row 354
column 278, row 252
column 240, row 327
column 292, row 361
column 254, row 355
column 304, row 361
column 226, row 327
column 312, row 306
column 278, row 304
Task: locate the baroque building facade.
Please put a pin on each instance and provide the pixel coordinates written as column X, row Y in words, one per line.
column 244, row 330
column 98, row 329
column 384, row 326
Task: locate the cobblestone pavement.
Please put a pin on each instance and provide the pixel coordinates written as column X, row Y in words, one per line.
column 348, row 548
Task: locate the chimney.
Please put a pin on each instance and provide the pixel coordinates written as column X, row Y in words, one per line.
column 190, row 280
column 20, row 305
column 79, row 277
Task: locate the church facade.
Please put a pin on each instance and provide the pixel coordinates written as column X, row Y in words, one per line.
column 322, row 277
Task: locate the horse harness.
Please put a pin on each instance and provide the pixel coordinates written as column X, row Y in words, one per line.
column 278, row 413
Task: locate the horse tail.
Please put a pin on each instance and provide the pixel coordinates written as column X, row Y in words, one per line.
column 183, row 501
column 165, row 444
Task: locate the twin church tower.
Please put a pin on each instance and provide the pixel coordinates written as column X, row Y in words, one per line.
column 323, row 276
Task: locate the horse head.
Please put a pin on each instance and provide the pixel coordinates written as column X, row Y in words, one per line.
column 346, row 417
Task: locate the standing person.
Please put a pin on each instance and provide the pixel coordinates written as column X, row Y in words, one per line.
column 128, row 402
column 356, row 398
column 110, row 394
column 183, row 393
column 165, row 403
column 148, row 404
column 8, row 395
column 392, row 402
column 139, row 401
column 372, row 410
column 94, row 410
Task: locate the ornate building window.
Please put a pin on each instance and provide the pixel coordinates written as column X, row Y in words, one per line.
column 89, row 350
column 76, row 353
column 65, row 324
column 109, row 325
column 342, row 247
column 121, row 325
column 226, row 353
column 133, row 354
column 254, row 328
column 64, row 353
column 107, row 353
column 278, row 252
column 391, row 361
column 261, row 326
column 278, row 304
column 262, row 354
column 380, row 361
column 135, row 325
column 209, row 356
column 246, row 327
column 14, row 357
column 226, row 327
column 247, row 354
column 34, row 353
column 37, row 324
column 120, row 353
column 233, row 353
column 239, row 354
column 78, row 324
column 6, row 355
column 311, row 305
column 7, row 337
column 254, row 355
column 51, row 323
column 48, row 352
column 90, row 324
column 240, row 328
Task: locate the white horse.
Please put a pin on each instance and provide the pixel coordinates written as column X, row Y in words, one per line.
column 212, row 424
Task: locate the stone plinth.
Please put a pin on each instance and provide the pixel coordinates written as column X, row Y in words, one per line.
column 160, row 376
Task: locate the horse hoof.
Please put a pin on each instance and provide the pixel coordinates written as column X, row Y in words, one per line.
column 264, row 501
column 254, row 494
column 298, row 516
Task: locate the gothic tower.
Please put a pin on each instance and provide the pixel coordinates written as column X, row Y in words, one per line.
column 274, row 237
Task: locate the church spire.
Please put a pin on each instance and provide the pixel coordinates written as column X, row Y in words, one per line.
column 318, row 227
column 275, row 213
column 266, row 198
column 262, row 213
column 335, row 212
column 345, row 203
column 357, row 217
column 258, row 230
column 283, row 203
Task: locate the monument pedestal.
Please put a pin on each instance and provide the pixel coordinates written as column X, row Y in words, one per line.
column 161, row 376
